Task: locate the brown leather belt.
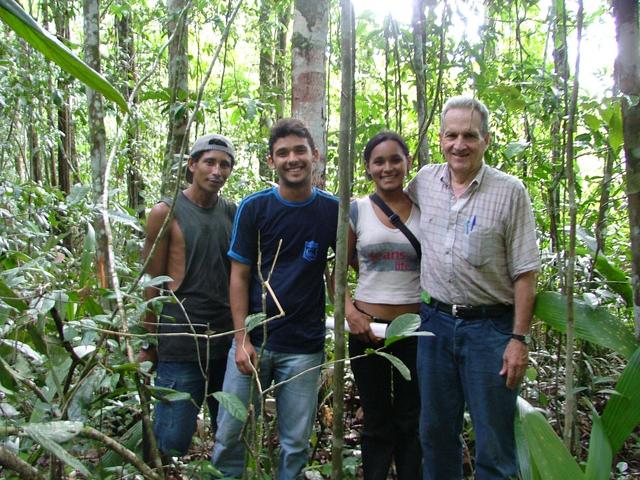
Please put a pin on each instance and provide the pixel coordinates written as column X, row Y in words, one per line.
column 469, row 312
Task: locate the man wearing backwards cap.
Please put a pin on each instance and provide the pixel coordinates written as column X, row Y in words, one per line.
column 193, row 252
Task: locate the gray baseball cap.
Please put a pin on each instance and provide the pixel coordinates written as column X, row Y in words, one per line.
column 212, row 141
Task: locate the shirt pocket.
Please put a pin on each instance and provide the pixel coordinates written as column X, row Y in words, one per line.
column 480, row 246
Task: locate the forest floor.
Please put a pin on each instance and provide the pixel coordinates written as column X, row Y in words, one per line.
column 626, row 464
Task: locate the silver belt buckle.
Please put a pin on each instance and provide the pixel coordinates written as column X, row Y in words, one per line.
column 454, row 310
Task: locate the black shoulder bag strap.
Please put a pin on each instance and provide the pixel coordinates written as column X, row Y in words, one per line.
column 397, row 222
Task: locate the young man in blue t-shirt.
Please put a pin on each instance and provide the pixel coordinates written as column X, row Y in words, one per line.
column 281, row 234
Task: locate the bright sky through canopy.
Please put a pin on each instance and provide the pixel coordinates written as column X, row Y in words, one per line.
column 598, row 44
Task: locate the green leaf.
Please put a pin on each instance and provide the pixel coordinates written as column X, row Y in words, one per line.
column 11, row 298
column 622, row 413
column 396, row 362
column 61, row 431
column 402, row 326
column 47, row 435
column 121, row 217
column 232, row 404
column 132, row 439
column 88, row 251
column 168, row 394
column 600, row 455
column 155, row 281
column 592, row 122
column 253, row 320
column 525, row 462
column 27, row 28
column 551, row 458
column 514, row 149
column 596, row 325
column 616, row 138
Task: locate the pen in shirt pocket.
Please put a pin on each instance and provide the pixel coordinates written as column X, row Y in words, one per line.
column 469, row 224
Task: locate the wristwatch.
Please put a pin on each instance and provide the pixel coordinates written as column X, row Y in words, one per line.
column 146, row 346
column 526, row 339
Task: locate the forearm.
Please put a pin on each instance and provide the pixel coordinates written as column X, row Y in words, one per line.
column 524, row 297
column 239, row 298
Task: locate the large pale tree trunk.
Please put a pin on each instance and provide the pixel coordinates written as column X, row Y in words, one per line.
column 97, row 135
column 308, row 72
column 179, row 88
column 627, row 71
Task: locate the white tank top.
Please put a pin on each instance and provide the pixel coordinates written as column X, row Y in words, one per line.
column 389, row 269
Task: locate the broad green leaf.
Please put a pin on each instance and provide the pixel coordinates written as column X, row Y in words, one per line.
column 121, row 217
column 60, row 431
column 43, row 303
column 595, row 325
column 617, row 279
column 600, row 455
column 616, row 138
column 232, row 404
column 88, row 251
column 37, row 337
column 253, row 320
column 622, row 412
column 46, row 438
column 525, row 464
column 168, row 394
column 132, row 439
column 155, row 281
column 592, row 122
column 27, row 28
column 402, row 326
column 396, row 362
column 551, row 457
column 10, row 297
column 514, row 149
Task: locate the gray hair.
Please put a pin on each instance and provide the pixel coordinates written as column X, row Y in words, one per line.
column 468, row 103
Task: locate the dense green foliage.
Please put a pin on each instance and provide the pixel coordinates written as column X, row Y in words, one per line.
column 63, row 347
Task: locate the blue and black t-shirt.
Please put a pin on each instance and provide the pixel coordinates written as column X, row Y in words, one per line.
column 307, row 230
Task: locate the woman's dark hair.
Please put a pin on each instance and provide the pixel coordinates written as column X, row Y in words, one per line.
column 383, row 137
column 289, row 126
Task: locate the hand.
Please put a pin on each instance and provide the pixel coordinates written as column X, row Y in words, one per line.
column 360, row 326
column 245, row 356
column 149, row 355
column 514, row 362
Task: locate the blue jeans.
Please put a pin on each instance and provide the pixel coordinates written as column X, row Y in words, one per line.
column 175, row 422
column 391, row 407
column 296, row 403
column 458, row 366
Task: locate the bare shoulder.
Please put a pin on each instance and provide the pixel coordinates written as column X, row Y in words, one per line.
column 156, row 218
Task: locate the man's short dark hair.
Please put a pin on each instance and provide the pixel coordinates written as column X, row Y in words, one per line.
column 289, row 126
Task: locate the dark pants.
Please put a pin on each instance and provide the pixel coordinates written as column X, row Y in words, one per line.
column 460, row 366
column 175, row 422
column 391, row 410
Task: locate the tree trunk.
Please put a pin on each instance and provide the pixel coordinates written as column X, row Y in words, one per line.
column 34, row 147
column 127, row 67
column 179, row 88
column 308, row 73
column 419, row 38
column 280, row 66
column 570, row 402
column 345, row 161
column 97, row 135
column 66, row 141
column 266, row 75
column 627, row 71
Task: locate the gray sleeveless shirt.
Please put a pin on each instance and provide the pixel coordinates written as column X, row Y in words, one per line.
column 204, row 291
